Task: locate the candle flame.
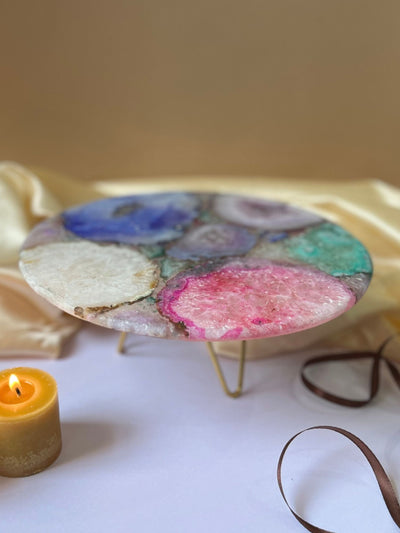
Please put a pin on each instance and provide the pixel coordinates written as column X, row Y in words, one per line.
column 14, row 384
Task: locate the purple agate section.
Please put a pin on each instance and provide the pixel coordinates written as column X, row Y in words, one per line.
column 213, row 240
column 51, row 230
column 225, row 266
column 266, row 214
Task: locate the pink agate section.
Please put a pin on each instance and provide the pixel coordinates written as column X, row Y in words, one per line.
column 257, row 299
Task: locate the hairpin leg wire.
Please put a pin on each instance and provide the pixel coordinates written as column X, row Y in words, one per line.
column 214, row 358
column 121, row 342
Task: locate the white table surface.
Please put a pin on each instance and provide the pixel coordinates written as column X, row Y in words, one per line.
column 151, row 444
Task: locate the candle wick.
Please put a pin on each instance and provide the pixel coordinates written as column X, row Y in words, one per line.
column 18, row 391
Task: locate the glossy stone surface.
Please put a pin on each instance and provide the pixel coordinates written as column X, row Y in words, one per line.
column 196, row 266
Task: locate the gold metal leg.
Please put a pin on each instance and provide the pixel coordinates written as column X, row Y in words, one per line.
column 214, row 358
column 121, row 342
column 218, row 369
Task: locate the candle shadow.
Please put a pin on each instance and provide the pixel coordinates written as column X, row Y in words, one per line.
column 70, row 345
column 6, row 482
column 82, row 438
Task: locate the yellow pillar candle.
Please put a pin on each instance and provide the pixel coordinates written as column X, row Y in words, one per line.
column 30, row 434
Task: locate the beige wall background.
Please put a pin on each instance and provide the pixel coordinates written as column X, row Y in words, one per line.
column 301, row 88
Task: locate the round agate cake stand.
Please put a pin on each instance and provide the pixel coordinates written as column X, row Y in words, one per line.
column 198, row 267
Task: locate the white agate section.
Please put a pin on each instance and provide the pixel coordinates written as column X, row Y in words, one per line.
column 80, row 275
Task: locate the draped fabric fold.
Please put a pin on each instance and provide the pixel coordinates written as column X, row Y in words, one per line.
column 29, row 326
column 369, row 209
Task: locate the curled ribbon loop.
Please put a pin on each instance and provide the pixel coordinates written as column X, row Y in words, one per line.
column 376, row 358
column 386, row 487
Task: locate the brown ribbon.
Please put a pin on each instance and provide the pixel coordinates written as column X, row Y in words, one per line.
column 376, row 358
column 386, row 488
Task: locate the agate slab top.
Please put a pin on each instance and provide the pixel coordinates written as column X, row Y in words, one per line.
column 196, row 266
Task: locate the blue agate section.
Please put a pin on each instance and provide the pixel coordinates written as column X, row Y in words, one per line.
column 138, row 219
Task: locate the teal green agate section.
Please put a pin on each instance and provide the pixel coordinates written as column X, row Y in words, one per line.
column 171, row 266
column 331, row 249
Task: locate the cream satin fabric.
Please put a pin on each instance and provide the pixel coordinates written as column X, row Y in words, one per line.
column 368, row 209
